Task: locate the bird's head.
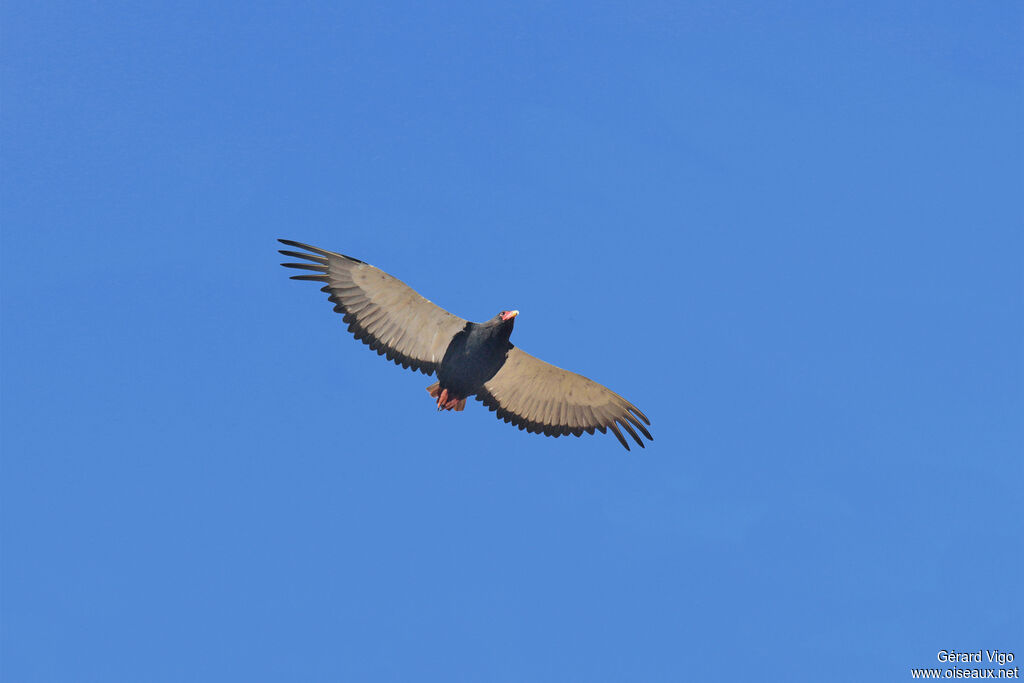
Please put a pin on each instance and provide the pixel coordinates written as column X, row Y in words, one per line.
column 505, row 316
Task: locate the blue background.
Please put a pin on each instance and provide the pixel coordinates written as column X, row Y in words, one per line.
column 790, row 233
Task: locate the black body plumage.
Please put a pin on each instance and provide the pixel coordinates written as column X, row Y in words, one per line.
column 474, row 356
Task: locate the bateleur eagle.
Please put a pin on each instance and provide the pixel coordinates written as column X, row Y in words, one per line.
column 470, row 359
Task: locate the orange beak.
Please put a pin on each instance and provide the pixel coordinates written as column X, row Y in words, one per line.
column 508, row 315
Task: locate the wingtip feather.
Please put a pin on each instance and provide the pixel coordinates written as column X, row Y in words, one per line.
column 636, row 423
column 637, row 412
column 299, row 254
column 306, row 266
column 629, row 428
column 618, row 435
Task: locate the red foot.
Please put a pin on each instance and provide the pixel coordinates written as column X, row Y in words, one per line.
column 446, row 401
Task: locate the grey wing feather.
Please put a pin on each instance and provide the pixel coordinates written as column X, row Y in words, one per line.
column 383, row 312
column 539, row 397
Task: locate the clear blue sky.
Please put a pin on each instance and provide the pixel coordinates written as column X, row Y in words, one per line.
column 790, row 233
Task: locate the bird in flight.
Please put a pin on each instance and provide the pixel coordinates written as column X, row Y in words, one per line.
column 470, row 359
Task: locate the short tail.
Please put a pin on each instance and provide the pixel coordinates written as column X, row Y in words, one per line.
column 443, row 402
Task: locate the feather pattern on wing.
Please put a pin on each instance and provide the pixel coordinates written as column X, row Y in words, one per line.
column 381, row 311
column 539, row 397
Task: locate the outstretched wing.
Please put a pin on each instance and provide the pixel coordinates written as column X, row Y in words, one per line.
column 539, row 397
column 381, row 311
